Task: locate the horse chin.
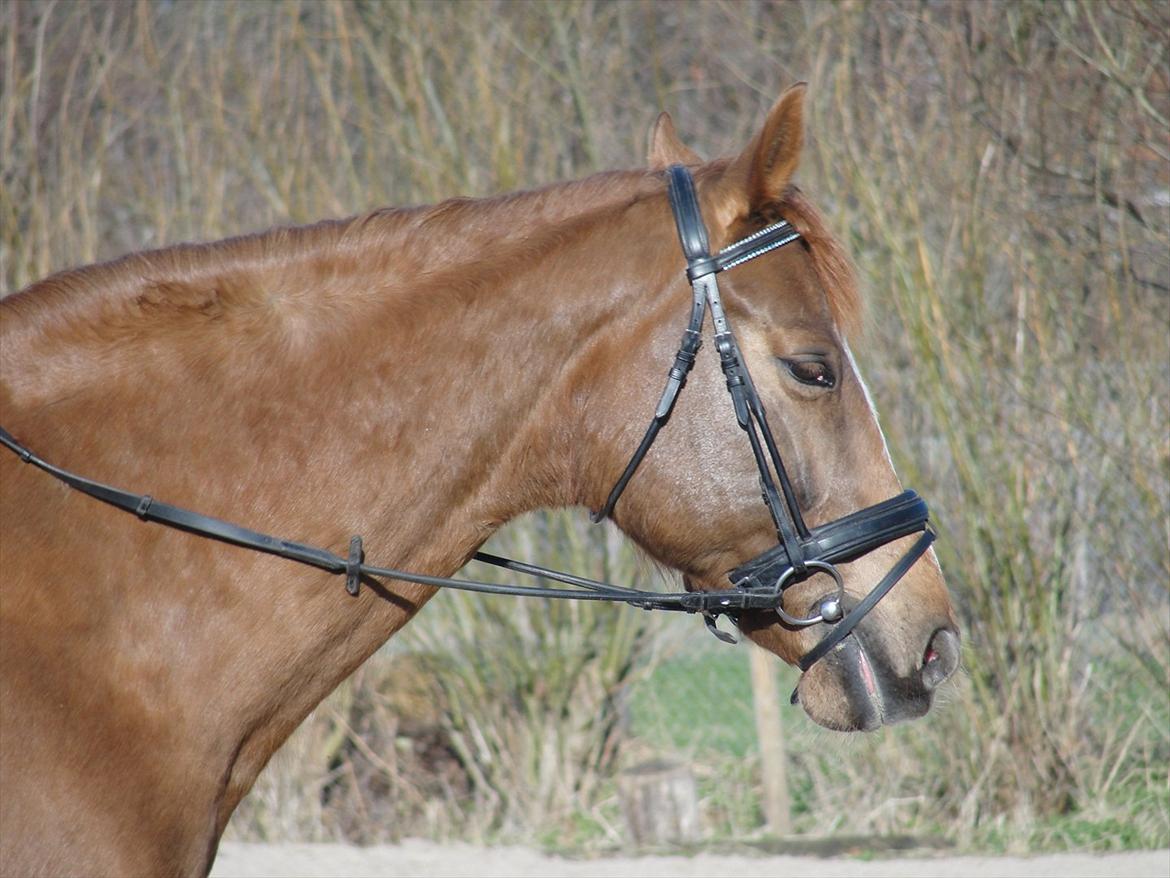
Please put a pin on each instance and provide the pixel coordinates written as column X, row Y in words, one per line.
column 842, row 691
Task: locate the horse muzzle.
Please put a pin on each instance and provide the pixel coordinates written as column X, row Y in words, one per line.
column 856, row 688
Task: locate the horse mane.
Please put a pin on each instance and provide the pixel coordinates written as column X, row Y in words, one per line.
column 209, row 279
column 212, row 278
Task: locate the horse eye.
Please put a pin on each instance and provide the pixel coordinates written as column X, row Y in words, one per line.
column 812, row 372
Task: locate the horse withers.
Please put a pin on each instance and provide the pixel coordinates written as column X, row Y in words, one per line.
column 420, row 376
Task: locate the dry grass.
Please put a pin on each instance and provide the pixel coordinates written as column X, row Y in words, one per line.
column 1000, row 171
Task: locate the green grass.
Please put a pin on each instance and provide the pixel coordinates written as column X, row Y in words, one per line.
column 700, row 704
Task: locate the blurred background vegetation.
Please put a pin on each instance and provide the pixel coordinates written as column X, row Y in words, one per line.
column 1000, row 171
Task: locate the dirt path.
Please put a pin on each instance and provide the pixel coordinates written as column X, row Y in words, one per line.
column 430, row 860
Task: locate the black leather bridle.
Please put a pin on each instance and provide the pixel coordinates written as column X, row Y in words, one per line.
column 757, row 585
column 800, row 553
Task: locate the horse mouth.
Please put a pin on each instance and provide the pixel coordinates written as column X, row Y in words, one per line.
column 854, row 689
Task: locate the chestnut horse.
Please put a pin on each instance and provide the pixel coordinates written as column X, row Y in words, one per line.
column 420, row 376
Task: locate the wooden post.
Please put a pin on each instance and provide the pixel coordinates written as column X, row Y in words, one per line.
column 661, row 804
column 773, row 758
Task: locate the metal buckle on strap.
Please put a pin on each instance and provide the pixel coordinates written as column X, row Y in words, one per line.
column 353, row 565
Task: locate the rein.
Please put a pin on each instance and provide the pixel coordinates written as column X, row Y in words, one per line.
column 354, row 567
column 758, row 584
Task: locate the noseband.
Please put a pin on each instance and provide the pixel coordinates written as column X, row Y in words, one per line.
column 757, row 585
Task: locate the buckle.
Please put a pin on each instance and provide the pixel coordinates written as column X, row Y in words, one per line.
column 353, row 566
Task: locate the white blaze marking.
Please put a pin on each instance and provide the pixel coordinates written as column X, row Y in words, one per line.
column 930, row 555
column 869, row 399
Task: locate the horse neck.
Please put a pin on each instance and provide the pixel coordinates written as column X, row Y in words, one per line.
column 389, row 377
column 468, row 365
column 416, row 378
column 408, row 360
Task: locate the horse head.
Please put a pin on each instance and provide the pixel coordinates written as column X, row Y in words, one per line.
column 696, row 501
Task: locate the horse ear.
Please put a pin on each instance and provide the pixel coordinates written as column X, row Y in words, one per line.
column 762, row 171
column 666, row 148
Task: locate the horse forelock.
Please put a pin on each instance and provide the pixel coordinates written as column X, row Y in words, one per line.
column 831, row 263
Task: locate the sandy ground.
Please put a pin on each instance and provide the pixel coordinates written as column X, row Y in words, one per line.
column 423, row 858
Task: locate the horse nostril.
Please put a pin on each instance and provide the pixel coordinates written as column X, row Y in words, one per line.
column 941, row 658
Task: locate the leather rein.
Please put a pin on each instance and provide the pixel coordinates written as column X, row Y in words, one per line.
column 758, row 584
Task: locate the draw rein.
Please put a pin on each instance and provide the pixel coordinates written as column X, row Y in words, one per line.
column 758, row 584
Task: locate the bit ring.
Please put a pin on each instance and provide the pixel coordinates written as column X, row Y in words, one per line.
column 831, row 609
